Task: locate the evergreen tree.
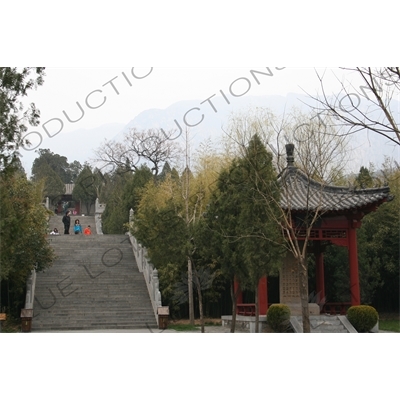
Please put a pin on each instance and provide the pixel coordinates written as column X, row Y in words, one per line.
column 125, row 195
column 68, row 172
column 222, row 246
column 85, row 188
column 23, row 237
column 159, row 226
column 53, row 186
column 23, row 219
column 379, row 249
column 15, row 84
column 246, row 241
column 364, row 179
column 165, row 171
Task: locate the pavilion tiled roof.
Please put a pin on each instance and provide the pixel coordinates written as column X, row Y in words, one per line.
column 301, row 193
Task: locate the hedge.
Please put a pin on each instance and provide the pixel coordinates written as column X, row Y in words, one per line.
column 363, row 318
column 278, row 317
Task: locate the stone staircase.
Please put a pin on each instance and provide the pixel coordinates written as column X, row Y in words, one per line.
column 93, row 284
column 324, row 324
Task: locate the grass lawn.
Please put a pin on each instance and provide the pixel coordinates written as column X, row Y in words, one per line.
column 184, row 326
column 389, row 325
column 11, row 325
column 389, row 322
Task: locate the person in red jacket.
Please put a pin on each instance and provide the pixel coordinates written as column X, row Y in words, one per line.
column 87, row 230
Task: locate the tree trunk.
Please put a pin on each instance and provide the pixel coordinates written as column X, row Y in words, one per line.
column 257, row 309
column 303, row 281
column 187, row 219
column 200, row 306
column 190, row 290
column 234, row 301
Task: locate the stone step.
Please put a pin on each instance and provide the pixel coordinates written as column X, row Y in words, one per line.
column 322, row 324
column 94, row 282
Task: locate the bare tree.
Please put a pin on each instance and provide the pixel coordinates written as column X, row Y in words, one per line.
column 152, row 146
column 378, row 86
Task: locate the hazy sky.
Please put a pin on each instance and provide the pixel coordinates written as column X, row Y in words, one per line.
column 118, row 95
column 159, row 89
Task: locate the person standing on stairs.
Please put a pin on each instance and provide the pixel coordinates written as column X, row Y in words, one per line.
column 67, row 222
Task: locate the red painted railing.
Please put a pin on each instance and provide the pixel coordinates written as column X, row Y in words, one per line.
column 246, row 309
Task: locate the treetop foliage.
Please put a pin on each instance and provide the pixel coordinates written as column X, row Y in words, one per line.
column 15, row 84
column 67, row 172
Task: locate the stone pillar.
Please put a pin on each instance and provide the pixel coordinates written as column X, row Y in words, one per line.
column 47, row 203
column 289, row 287
column 289, row 290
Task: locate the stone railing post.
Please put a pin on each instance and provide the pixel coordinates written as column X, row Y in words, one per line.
column 30, row 290
column 98, row 211
column 157, row 293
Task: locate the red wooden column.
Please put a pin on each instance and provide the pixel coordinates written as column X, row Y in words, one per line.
column 320, row 275
column 263, row 296
column 353, row 263
column 236, row 286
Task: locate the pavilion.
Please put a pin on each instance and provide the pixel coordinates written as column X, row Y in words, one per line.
column 340, row 211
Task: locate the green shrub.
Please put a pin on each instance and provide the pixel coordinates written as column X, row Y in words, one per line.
column 278, row 317
column 363, row 318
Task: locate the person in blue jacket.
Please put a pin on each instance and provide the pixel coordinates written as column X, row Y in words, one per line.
column 77, row 227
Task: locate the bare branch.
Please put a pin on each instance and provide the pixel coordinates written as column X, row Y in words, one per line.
column 376, row 114
column 146, row 146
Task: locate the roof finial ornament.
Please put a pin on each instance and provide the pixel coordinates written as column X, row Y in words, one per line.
column 290, row 154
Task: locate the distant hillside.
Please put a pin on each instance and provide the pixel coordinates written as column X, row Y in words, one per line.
column 366, row 147
column 79, row 145
column 216, row 113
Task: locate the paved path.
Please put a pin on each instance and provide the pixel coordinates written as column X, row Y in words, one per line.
column 208, row 329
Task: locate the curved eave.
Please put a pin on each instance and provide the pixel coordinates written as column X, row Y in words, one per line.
column 301, row 194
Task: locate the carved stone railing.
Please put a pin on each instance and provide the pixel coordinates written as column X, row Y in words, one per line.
column 148, row 270
column 150, row 273
column 98, row 211
column 30, row 290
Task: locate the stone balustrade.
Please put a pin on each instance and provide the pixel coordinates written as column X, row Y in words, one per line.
column 98, row 211
column 150, row 273
column 30, row 290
